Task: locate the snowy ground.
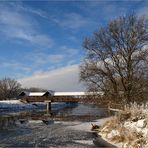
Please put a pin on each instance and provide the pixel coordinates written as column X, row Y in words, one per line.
column 15, row 105
column 10, row 102
column 86, row 126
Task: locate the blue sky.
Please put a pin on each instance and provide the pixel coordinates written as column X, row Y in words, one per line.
column 41, row 42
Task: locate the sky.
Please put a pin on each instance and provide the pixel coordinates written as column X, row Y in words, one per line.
column 41, row 41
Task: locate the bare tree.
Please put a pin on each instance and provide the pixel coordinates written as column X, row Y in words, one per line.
column 9, row 88
column 116, row 59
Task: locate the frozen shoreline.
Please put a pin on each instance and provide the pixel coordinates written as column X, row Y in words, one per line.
column 15, row 105
column 86, row 126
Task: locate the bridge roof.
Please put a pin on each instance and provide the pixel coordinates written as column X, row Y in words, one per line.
column 76, row 93
column 52, row 93
column 31, row 94
column 69, row 94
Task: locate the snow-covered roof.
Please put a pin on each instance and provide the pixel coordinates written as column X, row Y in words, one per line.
column 31, row 94
column 69, row 93
column 52, row 93
column 75, row 93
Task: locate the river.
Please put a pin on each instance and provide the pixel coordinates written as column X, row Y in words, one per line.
column 64, row 127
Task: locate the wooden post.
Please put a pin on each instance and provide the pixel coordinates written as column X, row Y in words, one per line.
column 109, row 105
column 48, row 106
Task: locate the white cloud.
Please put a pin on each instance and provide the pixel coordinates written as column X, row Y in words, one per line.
column 62, row 79
column 16, row 24
column 37, row 39
column 62, row 55
column 70, row 51
column 56, row 58
column 71, row 20
column 13, row 19
column 38, row 12
column 40, row 58
column 14, row 65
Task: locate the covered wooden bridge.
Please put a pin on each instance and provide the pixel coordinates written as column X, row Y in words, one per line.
column 52, row 96
column 30, row 97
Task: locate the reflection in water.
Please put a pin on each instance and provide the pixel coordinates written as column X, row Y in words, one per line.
column 7, row 121
column 72, row 112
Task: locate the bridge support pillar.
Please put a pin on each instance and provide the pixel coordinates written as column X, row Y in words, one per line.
column 48, row 106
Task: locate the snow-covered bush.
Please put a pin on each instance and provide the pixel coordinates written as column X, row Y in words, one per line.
column 129, row 127
column 137, row 111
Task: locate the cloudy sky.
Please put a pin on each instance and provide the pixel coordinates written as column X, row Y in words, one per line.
column 41, row 42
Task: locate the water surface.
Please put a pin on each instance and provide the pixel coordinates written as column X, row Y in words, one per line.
column 39, row 129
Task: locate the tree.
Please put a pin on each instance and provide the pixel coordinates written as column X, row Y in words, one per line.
column 9, row 88
column 116, row 59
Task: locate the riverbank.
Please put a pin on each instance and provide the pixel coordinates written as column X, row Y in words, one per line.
column 129, row 128
column 98, row 141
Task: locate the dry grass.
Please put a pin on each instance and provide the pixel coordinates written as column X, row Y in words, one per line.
column 109, row 125
column 121, row 137
column 137, row 111
column 131, row 138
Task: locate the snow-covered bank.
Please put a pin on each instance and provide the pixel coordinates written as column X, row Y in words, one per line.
column 86, row 126
column 15, row 105
column 129, row 128
column 10, row 102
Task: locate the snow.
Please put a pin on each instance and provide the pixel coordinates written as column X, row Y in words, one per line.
column 113, row 133
column 15, row 105
column 35, row 121
column 88, row 142
column 86, row 126
column 139, row 126
column 118, row 145
column 52, row 93
column 11, row 102
column 141, row 123
column 36, row 94
column 74, row 93
column 32, row 94
column 69, row 93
